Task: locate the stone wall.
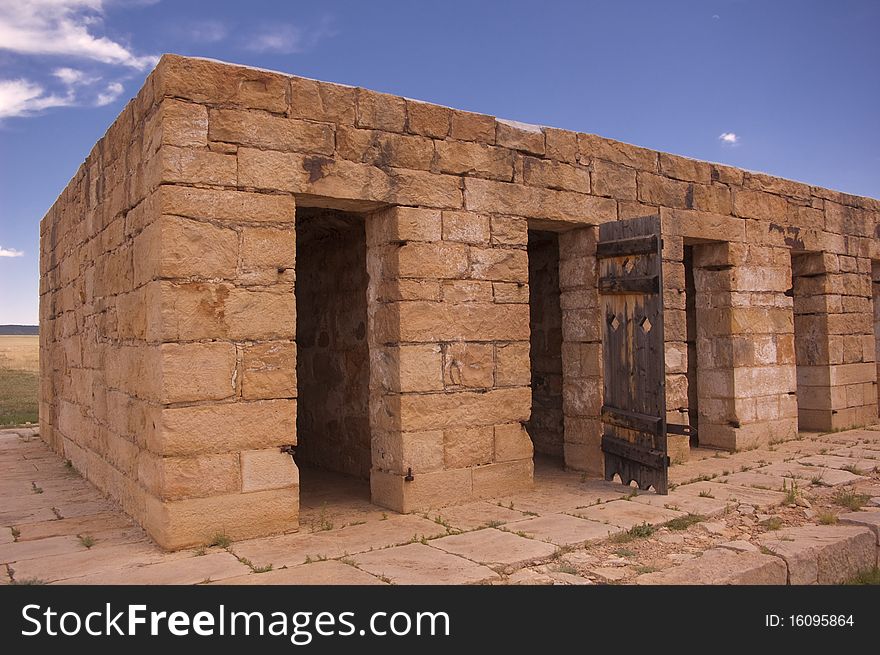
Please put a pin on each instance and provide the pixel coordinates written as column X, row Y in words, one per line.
column 545, row 426
column 173, row 250
column 333, row 361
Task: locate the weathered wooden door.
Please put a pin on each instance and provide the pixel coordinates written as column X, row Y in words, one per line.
column 631, row 302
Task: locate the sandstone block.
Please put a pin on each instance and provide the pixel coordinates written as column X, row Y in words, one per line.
column 260, row 130
column 322, row 101
column 465, row 447
column 474, row 159
column 195, row 249
column 512, row 365
column 512, row 442
column 519, row 136
column 197, row 371
column 223, row 427
column 428, row 120
column 268, row 468
column 437, row 411
column 268, row 370
column 468, row 364
column 212, row 82
column 555, row 175
column 500, row 265
column 195, row 521
column 613, row 180
column 503, row 478
column 560, row 145
column 174, row 478
column 467, row 126
column 380, row 111
column 237, row 206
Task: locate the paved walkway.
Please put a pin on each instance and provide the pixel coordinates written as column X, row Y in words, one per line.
column 800, row 512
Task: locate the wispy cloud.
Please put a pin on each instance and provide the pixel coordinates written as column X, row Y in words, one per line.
column 22, row 98
column 10, row 252
column 63, row 27
column 728, row 138
column 208, row 31
column 286, row 38
column 108, row 95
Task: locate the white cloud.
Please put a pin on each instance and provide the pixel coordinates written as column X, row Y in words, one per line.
column 22, row 97
column 729, row 138
column 113, row 91
column 208, row 31
column 71, row 77
column 63, row 27
column 10, row 252
column 285, row 38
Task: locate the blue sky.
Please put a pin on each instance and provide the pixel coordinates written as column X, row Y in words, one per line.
column 796, row 81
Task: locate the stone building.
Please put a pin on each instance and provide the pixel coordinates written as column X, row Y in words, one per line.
column 254, row 272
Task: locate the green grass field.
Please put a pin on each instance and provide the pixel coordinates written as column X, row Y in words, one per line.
column 19, row 379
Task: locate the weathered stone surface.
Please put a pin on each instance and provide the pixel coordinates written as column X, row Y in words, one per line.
column 868, row 519
column 823, row 554
column 625, row 514
column 494, row 547
column 316, row 573
column 419, row 564
column 722, row 567
column 562, row 529
column 191, row 570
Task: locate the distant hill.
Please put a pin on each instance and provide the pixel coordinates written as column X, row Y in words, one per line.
column 19, row 329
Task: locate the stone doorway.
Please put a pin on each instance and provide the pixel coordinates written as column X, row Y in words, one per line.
column 333, row 363
column 546, row 425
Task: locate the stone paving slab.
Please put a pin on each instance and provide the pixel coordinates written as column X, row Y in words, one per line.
column 868, row 519
column 562, row 529
column 329, row 572
column 18, row 517
column 495, row 548
column 420, row 564
column 189, row 570
column 685, row 502
column 722, row 567
column 858, row 452
column 838, row 462
column 20, row 551
column 477, row 515
column 757, row 480
column 625, row 514
column 823, row 554
column 760, row 498
column 86, row 562
column 73, row 526
column 553, row 499
column 293, row 549
column 830, row 477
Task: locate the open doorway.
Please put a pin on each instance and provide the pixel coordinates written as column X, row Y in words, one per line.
column 690, row 305
column 816, row 401
column 545, row 426
column 875, row 292
column 333, row 365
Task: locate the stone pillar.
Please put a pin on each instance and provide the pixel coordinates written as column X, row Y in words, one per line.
column 222, row 321
column 449, row 355
column 581, row 350
column 834, row 328
column 745, row 345
column 676, row 348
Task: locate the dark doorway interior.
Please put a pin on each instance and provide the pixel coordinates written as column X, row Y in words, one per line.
column 332, row 369
column 690, row 298
column 546, row 423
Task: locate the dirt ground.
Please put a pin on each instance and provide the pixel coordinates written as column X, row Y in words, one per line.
column 19, row 379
